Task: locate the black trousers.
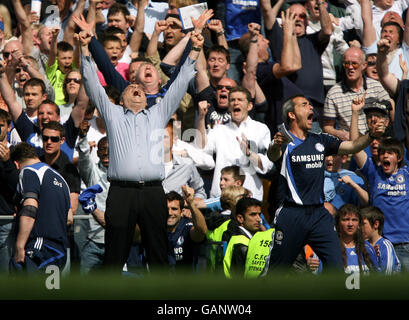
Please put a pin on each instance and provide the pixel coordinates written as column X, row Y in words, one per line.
column 127, row 206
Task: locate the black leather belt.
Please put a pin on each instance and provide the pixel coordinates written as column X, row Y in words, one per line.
column 135, row 184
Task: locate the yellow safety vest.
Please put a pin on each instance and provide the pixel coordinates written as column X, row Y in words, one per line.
column 239, row 239
column 215, row 256
column 257, row 252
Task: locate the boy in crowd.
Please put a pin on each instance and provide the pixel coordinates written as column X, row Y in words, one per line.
column 113, row 47
column 373, row 220
column 342, row 186
column 60, row 62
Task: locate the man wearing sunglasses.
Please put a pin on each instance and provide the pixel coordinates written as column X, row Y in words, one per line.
column 53, row 136
column 337, row 108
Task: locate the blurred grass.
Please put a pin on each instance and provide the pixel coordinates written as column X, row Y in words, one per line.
column 186, row 286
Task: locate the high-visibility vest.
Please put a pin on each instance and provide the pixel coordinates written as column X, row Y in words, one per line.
column 257, row 252
column 213, row 257
column 239, row 239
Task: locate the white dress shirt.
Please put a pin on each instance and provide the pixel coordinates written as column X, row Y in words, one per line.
column 222, row 140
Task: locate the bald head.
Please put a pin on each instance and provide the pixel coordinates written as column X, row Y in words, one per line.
column 357, row 52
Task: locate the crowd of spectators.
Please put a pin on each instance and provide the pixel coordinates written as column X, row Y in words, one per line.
column 274, row 120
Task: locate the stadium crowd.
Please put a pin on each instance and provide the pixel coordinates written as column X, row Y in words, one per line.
column 243, row 137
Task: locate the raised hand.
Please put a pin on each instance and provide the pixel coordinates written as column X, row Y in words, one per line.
column 200, row 22
column 354, row 44
column 384, row 46
column 378, row 129
column 279, row 139
column 215, row 25
column 55, row 31
column 161, row 26
column 188, row 193
column 254, row 29
column 403, row 66
column 358, row 102
column 203, row 108
column 82, row 23
column 288, row 22
column 84, row 38
column 33, row 17
column 197, row 39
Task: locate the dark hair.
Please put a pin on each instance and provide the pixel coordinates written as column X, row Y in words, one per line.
column 112, row 30
column 373, row 214
column 141, row 59
column 54, row 125
column 35, row 82
column 110, row 37
column 23, row 151
column 172, row 15
column 392, row 145
column 4, row 115
column 219, row 49
column 64, row 86
column 368, row 55
column 244, row 203
column 398, row 27
column 64, row 46
column 358, row 236
column 118, row 8
column 235, row 172
column 288, row 106
column 48, row 101
column 90, row 108
column 112, row 93
column 243, row 90
column 102, row 141
column 173, row 195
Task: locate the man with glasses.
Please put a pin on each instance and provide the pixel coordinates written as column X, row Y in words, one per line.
column 370, row 70
column 217, row 104
column 337, row 108
column 53, row 136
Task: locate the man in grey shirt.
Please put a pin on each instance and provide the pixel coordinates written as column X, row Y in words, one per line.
column 136, row 168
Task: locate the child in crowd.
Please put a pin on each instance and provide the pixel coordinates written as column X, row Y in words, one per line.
column 113, row 48
column 373, row 220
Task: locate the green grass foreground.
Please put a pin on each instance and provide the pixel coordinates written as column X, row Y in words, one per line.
column 186, row 286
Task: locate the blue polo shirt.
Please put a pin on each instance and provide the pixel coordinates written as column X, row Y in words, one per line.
column 302, row 169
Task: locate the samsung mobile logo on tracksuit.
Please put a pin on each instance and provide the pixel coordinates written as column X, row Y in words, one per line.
column 313, row 160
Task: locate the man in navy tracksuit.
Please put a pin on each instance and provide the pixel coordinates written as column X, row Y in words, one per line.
column 302, row 218
column 43, row 203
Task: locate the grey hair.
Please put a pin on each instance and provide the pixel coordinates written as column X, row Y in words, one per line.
column 288, row 106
